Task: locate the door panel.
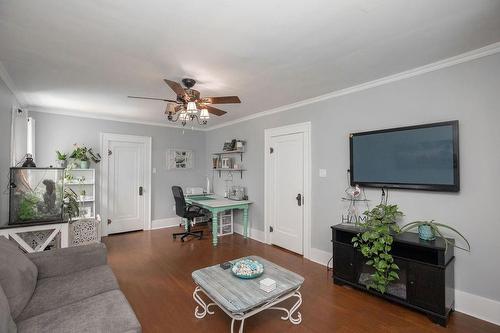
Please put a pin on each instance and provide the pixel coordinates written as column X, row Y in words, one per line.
column 343, row 262
column 125, row 176
column 426, row 287
column 287, row 181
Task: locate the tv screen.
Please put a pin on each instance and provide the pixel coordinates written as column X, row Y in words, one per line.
column 423, row 157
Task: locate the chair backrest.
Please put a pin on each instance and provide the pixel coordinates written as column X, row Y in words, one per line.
column 180, row 202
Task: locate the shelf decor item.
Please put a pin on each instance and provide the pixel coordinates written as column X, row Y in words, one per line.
column 247, row 269
column 84, row 155
column 179, row 159
column 62, row 159
column 428, row 230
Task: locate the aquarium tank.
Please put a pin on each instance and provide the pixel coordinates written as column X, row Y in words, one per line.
column 36, row 195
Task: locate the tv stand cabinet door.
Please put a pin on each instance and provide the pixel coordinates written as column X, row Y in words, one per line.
column 426, row 287
column 344, row 262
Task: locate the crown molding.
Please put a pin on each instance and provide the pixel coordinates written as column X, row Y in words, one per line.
column 456, row 60
column 80, row 114
column 5, row 77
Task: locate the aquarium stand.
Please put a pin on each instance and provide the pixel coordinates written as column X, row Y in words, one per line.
column 59, row 229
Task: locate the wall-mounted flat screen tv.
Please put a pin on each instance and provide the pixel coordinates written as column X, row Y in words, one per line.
column 423, row 157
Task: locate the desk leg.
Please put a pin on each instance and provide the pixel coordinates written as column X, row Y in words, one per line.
column 245, row 222
column 214, row 227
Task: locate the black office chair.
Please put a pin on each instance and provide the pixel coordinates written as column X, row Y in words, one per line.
column 187, row 212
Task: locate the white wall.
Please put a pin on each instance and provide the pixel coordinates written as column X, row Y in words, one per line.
column 469, row 92
column 59, row 132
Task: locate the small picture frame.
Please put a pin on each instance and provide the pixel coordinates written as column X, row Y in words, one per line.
column 179, row 159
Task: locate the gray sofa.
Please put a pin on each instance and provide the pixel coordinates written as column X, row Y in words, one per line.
column 63, row 290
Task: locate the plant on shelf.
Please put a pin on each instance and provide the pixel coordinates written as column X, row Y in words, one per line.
column 84, row 155
column 375, row 243
column 61, row 159
column 71, row 208
column 428, row 230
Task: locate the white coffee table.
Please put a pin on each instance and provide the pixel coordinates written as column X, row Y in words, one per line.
column 240, row 298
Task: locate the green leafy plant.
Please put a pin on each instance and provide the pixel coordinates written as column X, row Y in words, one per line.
column 70, row 206
column 435, row 227
column 61, row 156
column 27, row 207
column 375, row 243
column 83, row 153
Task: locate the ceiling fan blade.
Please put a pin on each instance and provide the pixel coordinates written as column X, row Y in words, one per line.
column 153, row 98
column 221, row 100
column 215, row 111
column 177, row 88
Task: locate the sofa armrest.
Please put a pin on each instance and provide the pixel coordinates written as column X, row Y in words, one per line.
column 68, row 260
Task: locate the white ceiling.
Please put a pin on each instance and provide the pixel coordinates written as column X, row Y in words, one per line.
column 87, row 56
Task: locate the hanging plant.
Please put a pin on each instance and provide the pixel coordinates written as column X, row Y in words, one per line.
column 375, row 243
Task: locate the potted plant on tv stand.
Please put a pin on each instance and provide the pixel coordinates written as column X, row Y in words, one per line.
column 375, row 243
column 428, row 230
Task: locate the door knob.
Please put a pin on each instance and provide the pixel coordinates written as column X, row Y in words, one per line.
column 299, row 199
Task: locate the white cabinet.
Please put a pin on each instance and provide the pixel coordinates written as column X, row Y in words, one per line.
column 225, row 225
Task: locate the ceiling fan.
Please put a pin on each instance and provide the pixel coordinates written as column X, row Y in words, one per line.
column 189, row 106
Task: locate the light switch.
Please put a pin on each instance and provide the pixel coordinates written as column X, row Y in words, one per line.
column 154, row 170
column 322, row 173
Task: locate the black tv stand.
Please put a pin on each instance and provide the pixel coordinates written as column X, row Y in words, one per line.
column 426, row 277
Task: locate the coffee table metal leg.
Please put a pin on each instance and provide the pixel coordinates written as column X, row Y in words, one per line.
column 289, row 313
column 205, row 308
column 241, row 325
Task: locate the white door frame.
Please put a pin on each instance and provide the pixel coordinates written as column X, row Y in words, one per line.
column 146, row 140
column 304, row 128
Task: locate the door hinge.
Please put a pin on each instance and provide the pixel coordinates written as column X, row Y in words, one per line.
column 271, row 150
column 271, row 229
column 110, row 152
column 109, row 221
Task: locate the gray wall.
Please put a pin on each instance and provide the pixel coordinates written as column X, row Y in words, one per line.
column 58, row 132
column 7, row 101
column 468, row 92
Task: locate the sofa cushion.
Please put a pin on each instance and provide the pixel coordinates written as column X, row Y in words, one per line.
column 7, row 325
column 54, row 292
column 18, row 276
column 107, row 312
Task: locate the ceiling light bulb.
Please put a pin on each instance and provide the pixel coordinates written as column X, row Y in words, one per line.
column 191, row 107
column 204, row 115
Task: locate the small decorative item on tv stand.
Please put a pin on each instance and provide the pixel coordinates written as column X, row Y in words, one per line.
column 228, row 146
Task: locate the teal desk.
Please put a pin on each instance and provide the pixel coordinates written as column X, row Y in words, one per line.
column 218, row 204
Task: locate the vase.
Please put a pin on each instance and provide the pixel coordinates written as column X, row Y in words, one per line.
column 62, row 163
column 84, row 164
column 426, row 233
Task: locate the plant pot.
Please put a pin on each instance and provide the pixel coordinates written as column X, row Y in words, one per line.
column 84, row 164
column 426, row 233
column 61, row 163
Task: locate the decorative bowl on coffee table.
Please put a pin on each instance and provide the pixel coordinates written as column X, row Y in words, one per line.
column 247, row 269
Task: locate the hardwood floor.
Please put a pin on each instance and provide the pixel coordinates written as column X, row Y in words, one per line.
column 154, row 272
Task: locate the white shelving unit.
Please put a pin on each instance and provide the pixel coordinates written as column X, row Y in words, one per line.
column 225, row 225
column 83, row 183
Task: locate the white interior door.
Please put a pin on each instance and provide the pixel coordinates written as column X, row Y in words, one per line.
column 126, row 185
column 287, row 190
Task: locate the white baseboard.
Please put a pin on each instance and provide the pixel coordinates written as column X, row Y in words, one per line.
column 478, row 306
column 255, row 234
column 319, row 256
column 165, row 223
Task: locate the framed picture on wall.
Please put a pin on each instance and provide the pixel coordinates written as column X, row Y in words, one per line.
column 179, row 159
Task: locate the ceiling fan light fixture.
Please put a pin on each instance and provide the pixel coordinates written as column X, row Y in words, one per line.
column 183, row 116
column 191, row 108
column 204, row 115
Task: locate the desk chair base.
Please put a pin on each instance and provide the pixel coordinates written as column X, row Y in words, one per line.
column 188, row 232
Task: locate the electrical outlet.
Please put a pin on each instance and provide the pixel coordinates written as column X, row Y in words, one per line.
column 154, row 170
